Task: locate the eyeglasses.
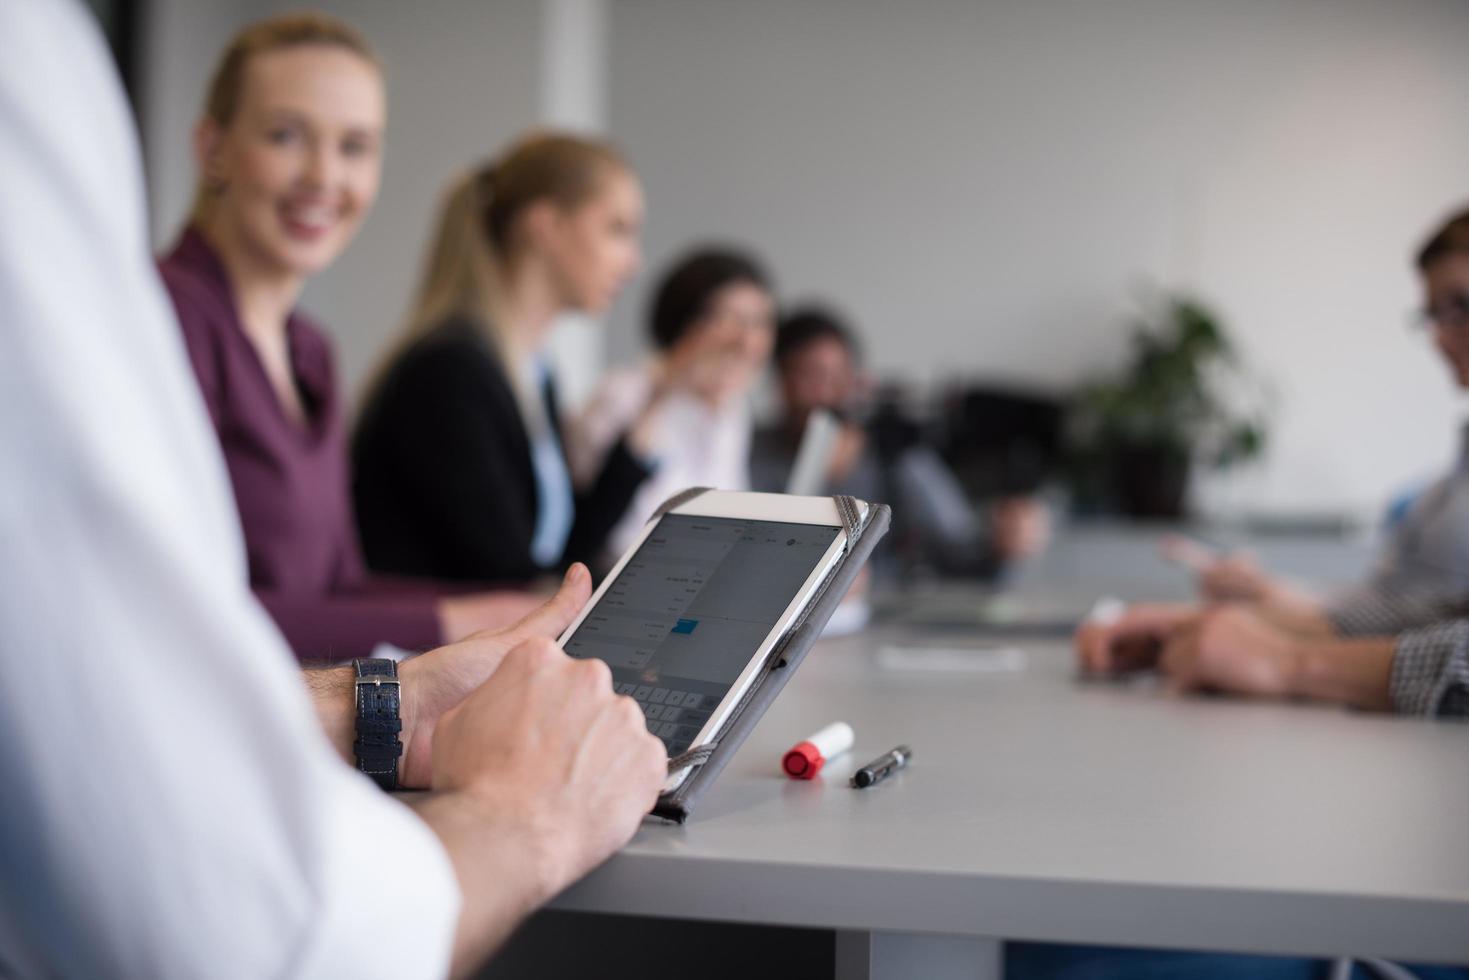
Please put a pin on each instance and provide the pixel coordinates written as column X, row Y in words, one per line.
column 1452, row 314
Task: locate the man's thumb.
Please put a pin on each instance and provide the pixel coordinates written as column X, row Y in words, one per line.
column 551, row 619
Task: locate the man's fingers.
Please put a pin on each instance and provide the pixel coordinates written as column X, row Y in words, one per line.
column 593, row 674
column 1128, row 643
column 551, row 619
column 1094, row 648
column 1235, row 576
column 1224, row 580
column 1178, row 659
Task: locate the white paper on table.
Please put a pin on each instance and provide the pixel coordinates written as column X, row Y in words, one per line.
column 955, row 660
column 849, row 617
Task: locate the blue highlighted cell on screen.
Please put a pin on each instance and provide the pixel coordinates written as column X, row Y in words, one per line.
column 685, row 625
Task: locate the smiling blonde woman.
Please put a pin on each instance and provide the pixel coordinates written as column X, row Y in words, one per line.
column 289, row 153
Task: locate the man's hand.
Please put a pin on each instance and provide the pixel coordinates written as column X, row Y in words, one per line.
column 546, row 746
column 438, row 680
column 1231, row 648
column 1132, row 641
column 1223, row 648
column 539, row 773
column 1020, row 527
column 1237, row 649
column 1235, row 578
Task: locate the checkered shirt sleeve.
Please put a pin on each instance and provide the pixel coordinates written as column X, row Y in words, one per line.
column 1380, row 612
column 1430, row 671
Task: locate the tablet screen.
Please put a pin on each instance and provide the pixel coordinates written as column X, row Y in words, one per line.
column 691, row 607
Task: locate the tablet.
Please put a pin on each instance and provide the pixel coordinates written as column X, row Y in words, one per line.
column 691, row 613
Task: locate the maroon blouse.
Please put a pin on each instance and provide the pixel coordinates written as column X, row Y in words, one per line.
column 291, row 483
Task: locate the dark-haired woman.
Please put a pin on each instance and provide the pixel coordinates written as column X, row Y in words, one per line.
column 712, row 325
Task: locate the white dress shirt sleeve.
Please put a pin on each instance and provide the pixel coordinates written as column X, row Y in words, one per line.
column 171, row 805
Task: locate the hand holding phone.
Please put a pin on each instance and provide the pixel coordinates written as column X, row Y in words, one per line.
column 1189, row 553
column 1234, row 577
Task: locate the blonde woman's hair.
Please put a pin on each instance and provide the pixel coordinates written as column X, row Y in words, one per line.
column 474, row 247
column 227, row 84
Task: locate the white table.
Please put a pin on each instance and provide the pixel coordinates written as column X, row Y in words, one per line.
column 1041, row 808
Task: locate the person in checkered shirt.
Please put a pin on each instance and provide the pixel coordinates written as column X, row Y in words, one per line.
column 1399, row 643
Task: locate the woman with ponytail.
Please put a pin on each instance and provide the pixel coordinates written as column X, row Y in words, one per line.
column 460, row 470
column 289, row 151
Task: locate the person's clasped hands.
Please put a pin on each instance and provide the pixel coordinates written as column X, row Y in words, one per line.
column 715, row 361
column 1227, row 648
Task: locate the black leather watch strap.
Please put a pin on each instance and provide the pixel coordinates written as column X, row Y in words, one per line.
column 378, row 747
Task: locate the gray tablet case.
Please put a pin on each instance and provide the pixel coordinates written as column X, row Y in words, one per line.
column 708, row 759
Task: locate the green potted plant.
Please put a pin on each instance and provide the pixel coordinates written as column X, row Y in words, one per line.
column 1182, row 399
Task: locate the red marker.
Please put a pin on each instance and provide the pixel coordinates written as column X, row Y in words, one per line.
column 806, row 758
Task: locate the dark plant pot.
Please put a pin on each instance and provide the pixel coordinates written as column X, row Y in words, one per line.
column 1151, row 482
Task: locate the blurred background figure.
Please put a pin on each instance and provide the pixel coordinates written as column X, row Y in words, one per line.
column 460, row 467
column 1427, row 551
column 289, row 155
column 819, row 367
column 712, row 324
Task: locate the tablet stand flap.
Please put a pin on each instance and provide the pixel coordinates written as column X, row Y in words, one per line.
column 677, row 500
column 710, row 758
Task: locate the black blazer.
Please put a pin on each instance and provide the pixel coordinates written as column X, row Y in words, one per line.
column 443, row 482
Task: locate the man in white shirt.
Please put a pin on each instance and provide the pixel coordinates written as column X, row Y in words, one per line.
column 172, row 807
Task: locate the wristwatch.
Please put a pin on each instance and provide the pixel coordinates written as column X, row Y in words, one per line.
column 378, row 747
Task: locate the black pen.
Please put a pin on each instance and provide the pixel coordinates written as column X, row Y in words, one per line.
column 883, row 766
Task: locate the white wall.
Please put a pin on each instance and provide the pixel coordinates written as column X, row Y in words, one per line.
column 574, row 96
column 983, row 184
